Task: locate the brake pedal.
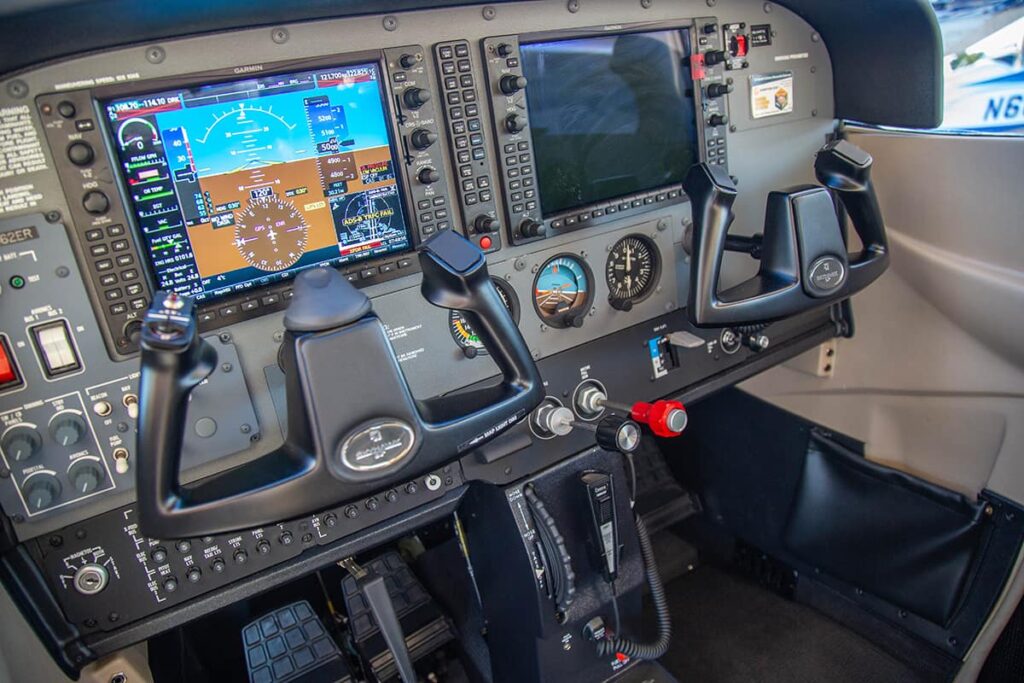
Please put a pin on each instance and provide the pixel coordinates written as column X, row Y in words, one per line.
column 290, row 644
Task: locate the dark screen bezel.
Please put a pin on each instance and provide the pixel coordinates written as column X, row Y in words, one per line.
column 104, row 96
column 613, row 31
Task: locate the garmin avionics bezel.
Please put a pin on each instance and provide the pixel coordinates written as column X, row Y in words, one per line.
column 262, row 295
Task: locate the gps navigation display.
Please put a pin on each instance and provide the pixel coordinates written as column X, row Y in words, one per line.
column 245, row 183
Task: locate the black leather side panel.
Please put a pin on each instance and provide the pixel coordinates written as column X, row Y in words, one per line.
column 884, row 531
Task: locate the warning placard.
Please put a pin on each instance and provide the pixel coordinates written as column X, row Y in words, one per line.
column 21, row 150
column 771, row 94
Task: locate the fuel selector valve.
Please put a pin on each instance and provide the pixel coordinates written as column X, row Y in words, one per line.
column 664, row 418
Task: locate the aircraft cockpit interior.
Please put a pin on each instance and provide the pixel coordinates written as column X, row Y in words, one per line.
column 550, row 340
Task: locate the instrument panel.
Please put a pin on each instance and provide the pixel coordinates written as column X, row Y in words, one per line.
column 555, row 141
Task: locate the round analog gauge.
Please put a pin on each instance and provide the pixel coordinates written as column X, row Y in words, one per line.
column 270, row 234
column 562, row 292
column 632, row 271
column 464, row 334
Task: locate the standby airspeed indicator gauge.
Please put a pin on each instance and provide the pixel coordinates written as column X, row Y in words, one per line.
column 462, row 331
column 632, row 271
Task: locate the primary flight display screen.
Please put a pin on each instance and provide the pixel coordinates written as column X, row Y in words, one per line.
column 241, row 184
column 609, row 115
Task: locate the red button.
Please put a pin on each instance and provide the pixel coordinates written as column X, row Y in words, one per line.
column 7, row 373
column 485, row 242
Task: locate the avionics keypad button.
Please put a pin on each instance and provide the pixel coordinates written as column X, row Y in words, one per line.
column 469, row 95
column 250, row 305
column 104, row 264
column 108, row 279
column 125, row 260
column 99, row 250
column 466, row 80
column 458, row 127
column 115, row 230
column 485, row 195
column 464, row 65
column 119, row 308
column 94, row 234
column 270, row 300
column 479, row 153
column 228, row 311
column 474, row 124
column 119, row 245
column 404, row 262
column 205, row 317
column 134, row 289
column 139, row 304
column 438, row 201
column 129, row 275
column 387, row 267
column 423, row 204
column 451, row 83
column 461, row 50
column 446, row 52
column 366, row 273
column 523, row 146
column 471, row 199
column 448, row 68
column 468, row 184
column 453, row 98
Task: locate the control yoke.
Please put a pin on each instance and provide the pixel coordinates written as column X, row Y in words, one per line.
column 353, row 425
column 804, row 260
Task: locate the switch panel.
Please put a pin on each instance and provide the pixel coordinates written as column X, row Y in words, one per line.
column 56, row 348
column 10, row 377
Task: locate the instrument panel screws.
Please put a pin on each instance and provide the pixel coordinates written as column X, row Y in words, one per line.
column 711, row 3
column 519, row 264
column 114, row 617
column 63, row 271
column 18, row 518
column 646, row 4
column 903, row 614
column 279, row 36
column 573, row 6
column 815, row 37
column 279, row 336
column 953, row 641
column 663, row 225
column 390, row 23
column 246, row 428
column 155, row 54
column 732, row 127
column 226, row 367
column 80, row 534
column 56, row 541
column 814, row 112
column 4, row 472
column 814, row 69
column 90, row 622
column 17, row 88
column 225, row 337
column 489, row 13
column 767, row 7
column 52, row 216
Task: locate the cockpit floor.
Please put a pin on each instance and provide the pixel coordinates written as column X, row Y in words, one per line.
column 726, row 629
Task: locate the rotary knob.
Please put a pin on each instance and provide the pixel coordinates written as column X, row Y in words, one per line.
column 712, row 57
column 67, row 428
column 85, row 476
column 408, row 61
column 718, row 120
column 415, row 98
column 719, row 89
column 505, row 50
column 515, row 123
column 21, row 442
column 423, row 138
column 532, row 228
column 428, row 176
column 80, row 153
column 510, row 84
column 41, row 491
column 485, row 224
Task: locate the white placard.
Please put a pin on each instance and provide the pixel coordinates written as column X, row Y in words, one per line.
column 771, row 94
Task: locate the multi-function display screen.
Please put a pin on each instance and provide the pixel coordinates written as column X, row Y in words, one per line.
column 245, row 183
column 610, row 116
